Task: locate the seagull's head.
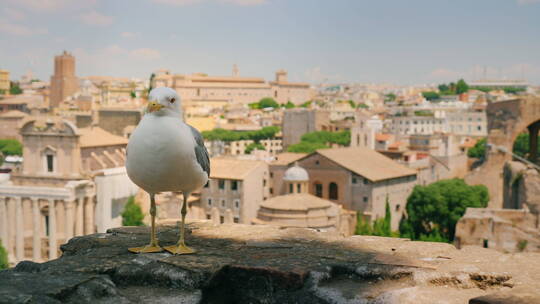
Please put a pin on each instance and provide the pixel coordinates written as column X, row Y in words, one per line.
column 164, row 101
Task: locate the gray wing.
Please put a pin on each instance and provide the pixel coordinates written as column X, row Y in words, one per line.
column 200, row 151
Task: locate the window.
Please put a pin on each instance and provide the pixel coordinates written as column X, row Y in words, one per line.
column 236, row 220
column 290, row 188
column 237, row 204
column 365, row 199
column 221, row 219
column 50, row 162
column 398, row 207
column 221, row 184
column 264, row 182
column 333, row 191
column 222, row 203
column 207, row 185
column 316, row 162
column 234, row 185
column 298, row 188
column 271, row 190
column 366, row 181
column 208, row 216
column 210, row 202
column 354, row 181
column 318, row 189
column 271, row 174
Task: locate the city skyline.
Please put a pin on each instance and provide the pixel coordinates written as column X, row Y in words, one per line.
column 347, row 41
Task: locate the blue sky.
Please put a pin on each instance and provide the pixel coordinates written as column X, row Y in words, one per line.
column 369, row 41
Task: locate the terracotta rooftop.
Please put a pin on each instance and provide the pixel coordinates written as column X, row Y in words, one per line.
column 286, row 158
column 14, row 114
column 383, row 136
column 231, row 168
column 97, row 137
column 296, row 201
column 367, row 163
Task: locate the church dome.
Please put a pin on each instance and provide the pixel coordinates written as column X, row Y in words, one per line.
column 296, row 174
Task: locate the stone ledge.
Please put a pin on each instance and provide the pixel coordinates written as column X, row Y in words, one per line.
column 262, row 264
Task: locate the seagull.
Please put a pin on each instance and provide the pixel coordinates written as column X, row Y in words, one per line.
column 166, row 154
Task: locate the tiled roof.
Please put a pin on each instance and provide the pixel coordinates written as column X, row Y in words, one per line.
column 367, row 163
column 287, row 158
column 97, row 137
column 231, row 168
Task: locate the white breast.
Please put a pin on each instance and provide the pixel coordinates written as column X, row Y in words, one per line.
column 161, row 156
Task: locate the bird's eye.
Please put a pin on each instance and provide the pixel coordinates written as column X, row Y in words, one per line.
column 172, row 100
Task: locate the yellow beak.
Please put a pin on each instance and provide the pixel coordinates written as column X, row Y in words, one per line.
column 154, row 106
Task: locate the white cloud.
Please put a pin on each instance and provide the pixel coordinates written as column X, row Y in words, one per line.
column 95, row 18
column 128, row 34
column 525, row 2
column 442, row 73
column 20, row 30
column 51, row 5
column 244, row 2
column 177, row 2
column 145, row 54
column 315, row 75
column 233, row 2
column 13, row 14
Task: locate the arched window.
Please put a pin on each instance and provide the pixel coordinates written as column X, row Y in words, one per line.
column 333, row 191
column 358, row 139
column 318, row 189
column 365, row 140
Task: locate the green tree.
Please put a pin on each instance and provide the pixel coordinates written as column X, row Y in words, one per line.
column 132, row 94
column 434, row 210
column 342, row 138
column 289, row 105
column 254, row 146
column 431, row 95
column 268, row 102
column 10, row 147
column 14, row 88
column 362, row 226
column 132, row 215
column 479, row 149
column 3, row 257
column 351, row 103
column 461, row 87
column 443, row 87
column 306, row 104
column 227, row 135
column 306, row 147
column 390, row 97
column 521, row 145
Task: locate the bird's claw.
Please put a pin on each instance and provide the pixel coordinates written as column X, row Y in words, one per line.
column 146, row 249
column 180, row 249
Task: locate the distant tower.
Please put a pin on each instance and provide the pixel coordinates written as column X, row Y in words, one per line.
column 64, row 82
column 235, row 71
column 281, row 76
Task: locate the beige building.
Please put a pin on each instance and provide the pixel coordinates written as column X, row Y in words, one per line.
column 219, row 91
column 359, row 179
column 9, row 124
column 237, row 187
column 72, row 182
column 4, row 81
column 297, row 122
column 300, row 209
column 64, row 83
column 364, row 130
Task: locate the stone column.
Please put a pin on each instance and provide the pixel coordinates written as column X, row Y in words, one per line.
column 36, row 224
column 4, row 223
column 52, row 230
column 12, row 229
column 89, row 216
column 19, row 230
column 70, row 224
column 533, row 141
column 79, row 217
